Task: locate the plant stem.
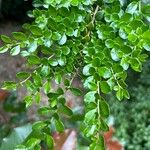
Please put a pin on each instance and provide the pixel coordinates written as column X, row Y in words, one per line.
column 93, row 18
column 95, row 12
column 25, row 80
column 116, row 78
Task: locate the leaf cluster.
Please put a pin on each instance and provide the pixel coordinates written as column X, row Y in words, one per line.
column 95, row 40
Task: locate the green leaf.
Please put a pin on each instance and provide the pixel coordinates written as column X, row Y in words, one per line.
column 45, row 70
column 146, row 35
column 17, row 136
column 91, row 51
column 59, row 126
column 39, row 125
column 126, row 49
column 60, row 91
column 58, row 78
column 132, row 7
column 136, row 64
column 53, row 63
column 90, row 115
column 44, row 110
column 87, row 82
column 104, row 72
column 109, row 43
column 47, row 87
column 65, row 110
column 62, row 61
column 65, row 50
column 63, row 40
column 49, row 141
column 126, row 94
column 86, row 70
column 19, row 36
column 124, row 63
column 3, row 49
column 146, row 46
column 32, row 47
column 132, row 37
column 91, row 131
column 105, row 88
column 135, row 24
column 34, row 60
column 5, row 39
column 119, row 94
column 98, row 144
column 76, row 91
column 104, row 108
column 37, row 97
column 146, row 9
column 90, row 97
column 92, row 86
column 9, row 85
column 122, row 34
column 35, row 30
column 103, row 125
column 32, row 142
column 56, row 36
column 74, row 2
column 37, row 79
column 66, row 82
column 96, row 62
column 15, row 51
column 126, row 17
column 24, row 53
column 114, row 54
column 28, row 100
column 22, row 75
column 53, row 95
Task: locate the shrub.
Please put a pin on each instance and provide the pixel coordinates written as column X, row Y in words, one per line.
column 95, row 40
column 132, row 117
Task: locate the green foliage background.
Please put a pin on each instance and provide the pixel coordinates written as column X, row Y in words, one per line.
column 132, row 117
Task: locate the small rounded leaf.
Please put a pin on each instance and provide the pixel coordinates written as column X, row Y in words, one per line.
column 15, row 51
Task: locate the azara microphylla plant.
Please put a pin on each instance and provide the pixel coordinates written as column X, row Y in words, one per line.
column 97, row 40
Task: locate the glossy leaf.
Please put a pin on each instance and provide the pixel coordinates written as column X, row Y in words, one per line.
column 22, row 75
column 15, row 51
column 59, row 126
column 63, row 40
column 104, row 108
column 3, row 49
column 105, row 88
column 104, row 72
column 19, row 36
column 17, row 136
column 5, row 39
column 76, row 91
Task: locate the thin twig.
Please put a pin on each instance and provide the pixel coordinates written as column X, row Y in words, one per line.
column 95, row 12
column 116, row 78
column 50, row 57
column 93, row 18
column 25, row 79
column 74, row 75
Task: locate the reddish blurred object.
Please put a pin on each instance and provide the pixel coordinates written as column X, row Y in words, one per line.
column 66, row 140
column 3, row 94
column 110, row 143
column 70, row 103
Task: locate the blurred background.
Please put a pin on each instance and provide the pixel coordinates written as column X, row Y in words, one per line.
column 129, row 120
